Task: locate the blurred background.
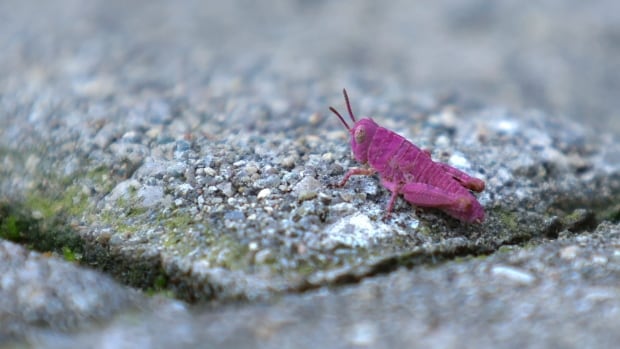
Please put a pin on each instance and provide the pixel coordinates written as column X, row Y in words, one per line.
column 561, row 56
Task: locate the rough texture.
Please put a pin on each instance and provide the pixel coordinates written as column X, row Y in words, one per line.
column 42, row 291
column 187, row 149
column 474, row 303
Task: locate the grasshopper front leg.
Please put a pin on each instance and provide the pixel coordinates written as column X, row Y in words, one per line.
column 356, row 172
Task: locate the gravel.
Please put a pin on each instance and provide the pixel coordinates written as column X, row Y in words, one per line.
column 187, row 151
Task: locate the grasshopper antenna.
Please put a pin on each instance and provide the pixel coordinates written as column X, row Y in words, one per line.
column 346, row 98
column 340, row 117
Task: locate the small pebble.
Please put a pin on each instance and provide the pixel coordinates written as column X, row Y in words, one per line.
column 263, row 256
column 288, row 162
column 315, row 118
column 234, row 215
column 263, row 193
column 226, row 188
column 307, row 188
column 251, row 169
column 37, row 214
column 569, row 252
column 599, row 259
column 514, row 274
column 209, row 171
column 363, row 334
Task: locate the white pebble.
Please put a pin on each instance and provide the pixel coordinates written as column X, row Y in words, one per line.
column 263, row 193
column 514, row 274
column 458, row 160
column 209, row 171
column 569, row 252
column 307, row 188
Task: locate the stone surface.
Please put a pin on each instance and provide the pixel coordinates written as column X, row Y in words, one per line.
column 539, row 297
column 39, row 291
column 187, row 149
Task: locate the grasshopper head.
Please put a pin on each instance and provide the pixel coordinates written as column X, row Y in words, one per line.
column 362, row 132
column 361, row 136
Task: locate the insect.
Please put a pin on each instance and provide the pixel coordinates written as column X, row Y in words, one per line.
column 408, row 170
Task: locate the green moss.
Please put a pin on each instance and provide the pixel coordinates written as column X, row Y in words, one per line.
column 529, row 245
column 114, row 221
column 166, row 293
column 611, row 213
column 42, row 221
column 481, row 257
column 49, row 230
column 223, row 250
column 70, row 202
column 101, row 179
column 462, row 259
column 179, row 221
column 605, row 207
column 18, row 225
column 161, row 281
column 160, row 287
column 10, row 228
column 69, row 255
column 306, row 269
column 229, row 253
column 505, row 249
column 508, row 219
column 425, row 230
column 42, row 207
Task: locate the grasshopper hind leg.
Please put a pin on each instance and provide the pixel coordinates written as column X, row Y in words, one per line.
column 457, row 205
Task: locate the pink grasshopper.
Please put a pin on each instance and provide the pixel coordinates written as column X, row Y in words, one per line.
column 408, row 170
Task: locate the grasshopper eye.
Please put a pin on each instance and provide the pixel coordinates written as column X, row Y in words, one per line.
column 360, row 134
